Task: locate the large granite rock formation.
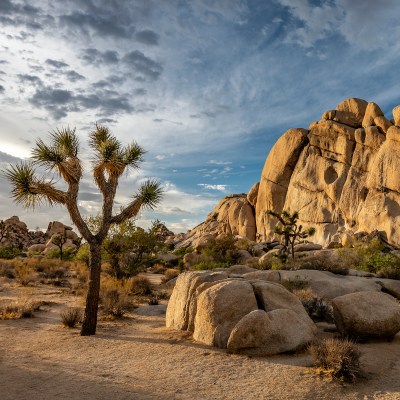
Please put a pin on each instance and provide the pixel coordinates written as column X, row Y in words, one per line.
column 341, row 174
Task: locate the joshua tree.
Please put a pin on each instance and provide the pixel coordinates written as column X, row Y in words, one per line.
column 110, row 161
column 59, row 240
column 287, row 227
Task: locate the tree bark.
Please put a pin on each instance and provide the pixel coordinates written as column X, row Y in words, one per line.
column 92, row 300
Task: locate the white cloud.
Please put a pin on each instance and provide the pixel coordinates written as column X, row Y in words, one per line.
column 220, row 188
column 216, row 162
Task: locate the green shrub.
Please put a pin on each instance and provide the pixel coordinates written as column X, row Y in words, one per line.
column 370, row 257
column 339, row 359
column 203, row 266
column 182, row 251
column 9, row 252
column 68, row 254
column 222, row 250
column 318, row 309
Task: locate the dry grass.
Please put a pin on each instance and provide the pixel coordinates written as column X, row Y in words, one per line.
column 71, row 317
column 140, row 286
column 339, row 359
column 24, row 273
column 114, row 296
column 318, row 309
column 169, row 274
column 23, row 307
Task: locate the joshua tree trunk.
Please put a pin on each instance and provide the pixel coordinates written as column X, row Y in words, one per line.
column 92, row 300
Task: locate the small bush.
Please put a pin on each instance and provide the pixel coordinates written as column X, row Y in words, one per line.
column 24, row 273
column 295, row 284
column 318, row 309
column 141, row 286
column 222, row 250
column 203, row 266
column 153, row 301
column 71, row 317
column 114, row 295
column 9, row 252
column 339, row 359
column 23, row 307
column 170, row 273
column 68, row 254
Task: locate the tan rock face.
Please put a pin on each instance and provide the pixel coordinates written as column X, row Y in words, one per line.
column 396, row 115
column 220, row 308
column 233, row 215
column 266, row 333
column 367, row 315
column 339, row 178
column 253, row 193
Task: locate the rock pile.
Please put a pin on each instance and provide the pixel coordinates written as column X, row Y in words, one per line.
column 243, row 315
column 249, row 311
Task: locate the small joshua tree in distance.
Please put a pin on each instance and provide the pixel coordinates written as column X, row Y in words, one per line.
column 289, row 230
column 110, row 160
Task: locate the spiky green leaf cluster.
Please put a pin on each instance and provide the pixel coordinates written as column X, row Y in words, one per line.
column 150, row 193
column 110, row 155
column 24, row 182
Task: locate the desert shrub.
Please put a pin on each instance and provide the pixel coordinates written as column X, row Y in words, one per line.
column 222, row 250
column 114, row 296
column 181, row 251
column 318, row 309
column 83, row 254
column 9, row 252
column 141, row 286
column 158, row 268
column 295, row 284
column 153, row 301
column 23, row 307
column 24, row 273
column 68, row 254
column 170, row 273
column 203, row 266
column 370, row 257
column 71, row 317
column 6, row 270
column 320, row 262
column 339, row 359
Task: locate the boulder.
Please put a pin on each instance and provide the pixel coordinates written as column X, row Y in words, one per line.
column 36, row 248
column 367, row 315
column 270, row 276
column 307, row 247
column 168, row 258
column 371, row 113
column 355, row 106
column 267, row 333
column 180, row 306
column 344, row 117
column 220, row 308
column 396, row 115
column 239, row 269
column 253, row 193
column 273, row 296
column 382, row 123
column 327, row 285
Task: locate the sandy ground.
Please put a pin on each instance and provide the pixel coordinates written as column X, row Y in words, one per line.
column 138, row 358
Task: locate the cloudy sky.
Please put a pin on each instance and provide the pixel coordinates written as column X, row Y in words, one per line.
column 205, row 86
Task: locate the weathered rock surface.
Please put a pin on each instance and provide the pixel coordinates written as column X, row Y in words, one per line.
column 180, row 311
column 366, row 315
column 267, row 333
column 220, row 308
column 340, row 178
column 233, row 215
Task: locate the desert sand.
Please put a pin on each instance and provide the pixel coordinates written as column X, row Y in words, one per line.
column 138, row 358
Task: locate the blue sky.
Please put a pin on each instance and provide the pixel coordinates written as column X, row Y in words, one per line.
column 205, row 86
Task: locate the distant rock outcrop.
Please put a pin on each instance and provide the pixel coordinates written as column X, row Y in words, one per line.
column 341, row 174
column 233, row 215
